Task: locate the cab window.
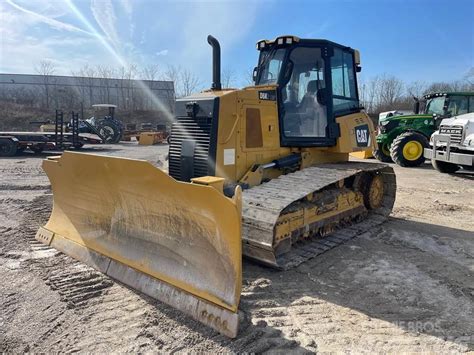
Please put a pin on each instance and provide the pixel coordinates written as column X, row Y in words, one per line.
column 435, row 106
column 270, row 63
column 303, row 115
column 457, row 105
column 344, row 88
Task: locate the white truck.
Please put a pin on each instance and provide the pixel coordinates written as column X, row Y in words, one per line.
column 452, row 145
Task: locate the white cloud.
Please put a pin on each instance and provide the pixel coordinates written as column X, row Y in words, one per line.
column 127, row 6
column 104, row 14
column 41, row 27
column 59, row 25
column 22, row 48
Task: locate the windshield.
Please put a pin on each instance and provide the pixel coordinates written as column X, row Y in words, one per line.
column 303, row 114
column 270, row 65
column 435, row 106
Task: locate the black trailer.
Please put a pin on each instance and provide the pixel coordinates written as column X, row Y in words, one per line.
column 12, row 143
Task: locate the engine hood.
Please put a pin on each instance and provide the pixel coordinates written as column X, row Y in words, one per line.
column 461, row 120
column 404, row 117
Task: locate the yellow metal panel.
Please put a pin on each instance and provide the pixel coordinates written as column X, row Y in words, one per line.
column 346, row 143
column 148, row 138
column 214, row 181
column 187, row 235
column 364, row 154
column 232, row 135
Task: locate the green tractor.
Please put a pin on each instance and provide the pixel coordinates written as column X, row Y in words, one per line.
column 402, row 138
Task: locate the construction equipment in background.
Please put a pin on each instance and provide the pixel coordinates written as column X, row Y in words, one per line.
column 147, row 126
column 150, row 138
column 59, row 135
column 262, row 171
column 108, row 128
column 402, row 137
column 452, row 146
column 147, row 135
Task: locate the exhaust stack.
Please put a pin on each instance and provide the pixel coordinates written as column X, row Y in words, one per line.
column 216, row 63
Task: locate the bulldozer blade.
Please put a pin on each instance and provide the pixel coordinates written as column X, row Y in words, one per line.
column 177, row 242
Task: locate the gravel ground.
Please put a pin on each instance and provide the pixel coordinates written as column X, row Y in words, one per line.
column 406, row 286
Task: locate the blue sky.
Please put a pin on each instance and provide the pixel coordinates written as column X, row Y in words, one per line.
column 417, row 40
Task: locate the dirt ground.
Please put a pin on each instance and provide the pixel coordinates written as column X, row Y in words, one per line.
column 406, row 286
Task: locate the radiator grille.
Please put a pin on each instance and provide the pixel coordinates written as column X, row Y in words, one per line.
column 455, row 132
column 188, row 128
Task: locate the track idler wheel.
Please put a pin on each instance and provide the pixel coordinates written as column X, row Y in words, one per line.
column 372, row 189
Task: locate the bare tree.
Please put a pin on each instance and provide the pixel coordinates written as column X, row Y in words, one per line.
column 248, row 77
column 459, row 85
column 416, row 89
column 105, row 75
column 228, row 78
column 185, row 82
column 46, row 69
column 86, row 77
column 173, row 73
column 469, row 78
column 383, row 93
column 150, row 72
column 189, row 83
column 127, row 75
column 391, row 90
column 371, row 94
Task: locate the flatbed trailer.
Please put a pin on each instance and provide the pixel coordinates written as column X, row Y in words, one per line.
column 12, row 143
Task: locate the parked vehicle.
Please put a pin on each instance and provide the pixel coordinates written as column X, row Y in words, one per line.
column 105, row 125
column 452, row 146
column 402, row 138
column 252, row 172
column 53, row 136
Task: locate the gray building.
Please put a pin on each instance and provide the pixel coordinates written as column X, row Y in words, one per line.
column 68, row 92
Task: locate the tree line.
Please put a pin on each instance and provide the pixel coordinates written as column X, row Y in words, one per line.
column 381, row 93
column 132, row 88
column 386, row 92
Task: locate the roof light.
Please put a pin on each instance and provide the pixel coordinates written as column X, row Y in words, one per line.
column 261, row 44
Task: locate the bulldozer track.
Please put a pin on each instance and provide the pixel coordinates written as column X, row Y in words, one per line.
column 263, row 204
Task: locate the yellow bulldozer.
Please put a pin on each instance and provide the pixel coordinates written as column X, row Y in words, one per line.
column 263, row 172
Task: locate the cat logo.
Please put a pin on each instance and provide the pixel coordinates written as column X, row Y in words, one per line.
column 362, row 135
column 269, row 95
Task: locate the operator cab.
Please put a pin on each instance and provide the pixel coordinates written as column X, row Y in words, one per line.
column 443, row 105
column 316, row 82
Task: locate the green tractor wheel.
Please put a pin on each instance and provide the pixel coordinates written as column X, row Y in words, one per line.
column 382, row 153
column 407, row 149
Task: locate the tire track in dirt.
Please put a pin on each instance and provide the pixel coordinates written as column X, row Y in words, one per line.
column 96, row 314
column 327, row 312
column 320, row 306
column 281, row 311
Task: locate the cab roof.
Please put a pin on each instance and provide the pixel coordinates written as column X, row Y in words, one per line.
column 449, row 93
column 290, row 39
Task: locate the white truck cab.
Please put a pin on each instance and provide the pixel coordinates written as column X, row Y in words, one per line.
column 452, row 145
